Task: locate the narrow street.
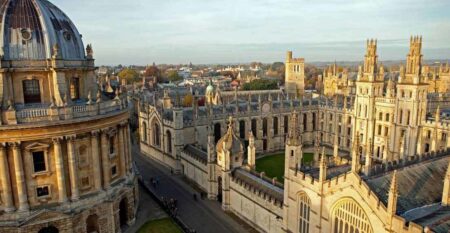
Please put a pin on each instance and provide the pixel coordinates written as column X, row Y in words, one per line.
column 202, row 215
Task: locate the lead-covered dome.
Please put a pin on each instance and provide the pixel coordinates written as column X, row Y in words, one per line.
column 30, row 29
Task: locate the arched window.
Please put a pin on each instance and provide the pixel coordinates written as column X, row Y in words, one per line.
column 313, row 121
column 275, row 125
column 31, row 91
column 156, row 135
column 75, row 89
column 347, row 215
column 242, row 129
column 254, row 127
column 305, row 121
column 144, row 131
column 304, row 209
column 286, row 124
column 264, row 127
column 217, row 132
column 169, row 141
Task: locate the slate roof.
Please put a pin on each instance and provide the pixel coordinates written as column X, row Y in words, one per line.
column 419, row 184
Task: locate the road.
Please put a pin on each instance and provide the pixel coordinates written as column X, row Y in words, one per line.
column 202, row 215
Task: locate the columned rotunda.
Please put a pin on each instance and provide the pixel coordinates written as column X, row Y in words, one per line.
column 65, row 151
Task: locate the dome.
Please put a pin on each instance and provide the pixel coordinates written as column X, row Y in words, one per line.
column 230, row 141
column 32, row 28
column 209, row 88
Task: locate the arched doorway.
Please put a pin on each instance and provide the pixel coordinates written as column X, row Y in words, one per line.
column 50, row 229
column 123, row 212
column 92, row 224
column 219, row 189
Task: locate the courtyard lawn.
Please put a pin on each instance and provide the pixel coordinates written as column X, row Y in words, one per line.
column 165, row 225
column 273, row 165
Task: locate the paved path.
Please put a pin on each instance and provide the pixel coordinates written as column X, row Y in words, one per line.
column 202, row 215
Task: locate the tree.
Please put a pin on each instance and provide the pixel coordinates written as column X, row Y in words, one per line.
column 153, row 71
column 130, row 75
column 173, row 76
column 261, row 84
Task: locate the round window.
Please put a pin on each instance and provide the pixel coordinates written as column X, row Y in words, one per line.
column 26, row 34
column 67, row 35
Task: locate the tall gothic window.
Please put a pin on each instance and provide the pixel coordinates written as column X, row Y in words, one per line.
column 144, row 131
column 305, row 121
column 275, row 125
column 217, row 132
column 254, row 127
column 264, row 127
column 75, row 89
column 286, row 124
column 156, row 135
column 169, row 141
column 31, row 91
column 304, row 210
column 111, row 144
column 242, row 129
column 348, row 217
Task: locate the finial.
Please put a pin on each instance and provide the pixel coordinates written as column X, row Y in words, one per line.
column 393, row 187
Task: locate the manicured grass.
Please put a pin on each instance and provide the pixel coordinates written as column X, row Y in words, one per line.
column 273, row 165
column 165, row 225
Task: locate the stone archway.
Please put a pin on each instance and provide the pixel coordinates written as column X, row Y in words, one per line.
column 92, row 224
column 123, row 212
column 50, row 229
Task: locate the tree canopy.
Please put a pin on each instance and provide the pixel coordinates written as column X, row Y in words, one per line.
column 261, row 84
column 173, row 76
column 130, row 75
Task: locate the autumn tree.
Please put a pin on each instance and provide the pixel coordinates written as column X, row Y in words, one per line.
column 130, row 75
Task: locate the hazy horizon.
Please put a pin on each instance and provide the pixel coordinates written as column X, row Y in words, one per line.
column 242, row 31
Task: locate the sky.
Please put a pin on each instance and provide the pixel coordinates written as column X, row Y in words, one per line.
column 141, row 32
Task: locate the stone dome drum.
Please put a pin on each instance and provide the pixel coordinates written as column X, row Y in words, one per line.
column 31, row 29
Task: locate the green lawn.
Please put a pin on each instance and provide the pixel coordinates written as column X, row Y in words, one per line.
column 165, row 225
column 273, row 165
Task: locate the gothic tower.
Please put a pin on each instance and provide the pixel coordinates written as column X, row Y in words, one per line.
column 369, row 85
column 412, row 101
column 295, row 75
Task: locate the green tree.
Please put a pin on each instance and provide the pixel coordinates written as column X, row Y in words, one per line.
column 173, row 76
column 130, row 75
column 261, row 84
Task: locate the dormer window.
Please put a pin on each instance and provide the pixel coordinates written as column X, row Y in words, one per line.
column 31, row 91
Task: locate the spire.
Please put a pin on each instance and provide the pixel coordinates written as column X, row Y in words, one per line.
column 323, row 167
column 294, row 137
column 393, row 193
column 446, row 191
column 251, row 151
column 437, row 116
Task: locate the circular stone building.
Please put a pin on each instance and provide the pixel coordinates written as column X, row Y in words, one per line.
column 65, row 151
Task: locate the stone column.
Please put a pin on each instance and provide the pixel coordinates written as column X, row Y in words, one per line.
column 60, row 175
column 96, row 160
column 129, row 145
column 6, row 181
column 73, row 171
column 123, row 159
column 20, row 177
column 105, row 160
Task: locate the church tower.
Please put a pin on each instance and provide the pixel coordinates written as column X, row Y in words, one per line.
column 369, row 85
column 295, row 75
column 412, row 101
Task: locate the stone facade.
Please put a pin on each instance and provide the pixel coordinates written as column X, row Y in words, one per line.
column 386, row 145
column 65, row 151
